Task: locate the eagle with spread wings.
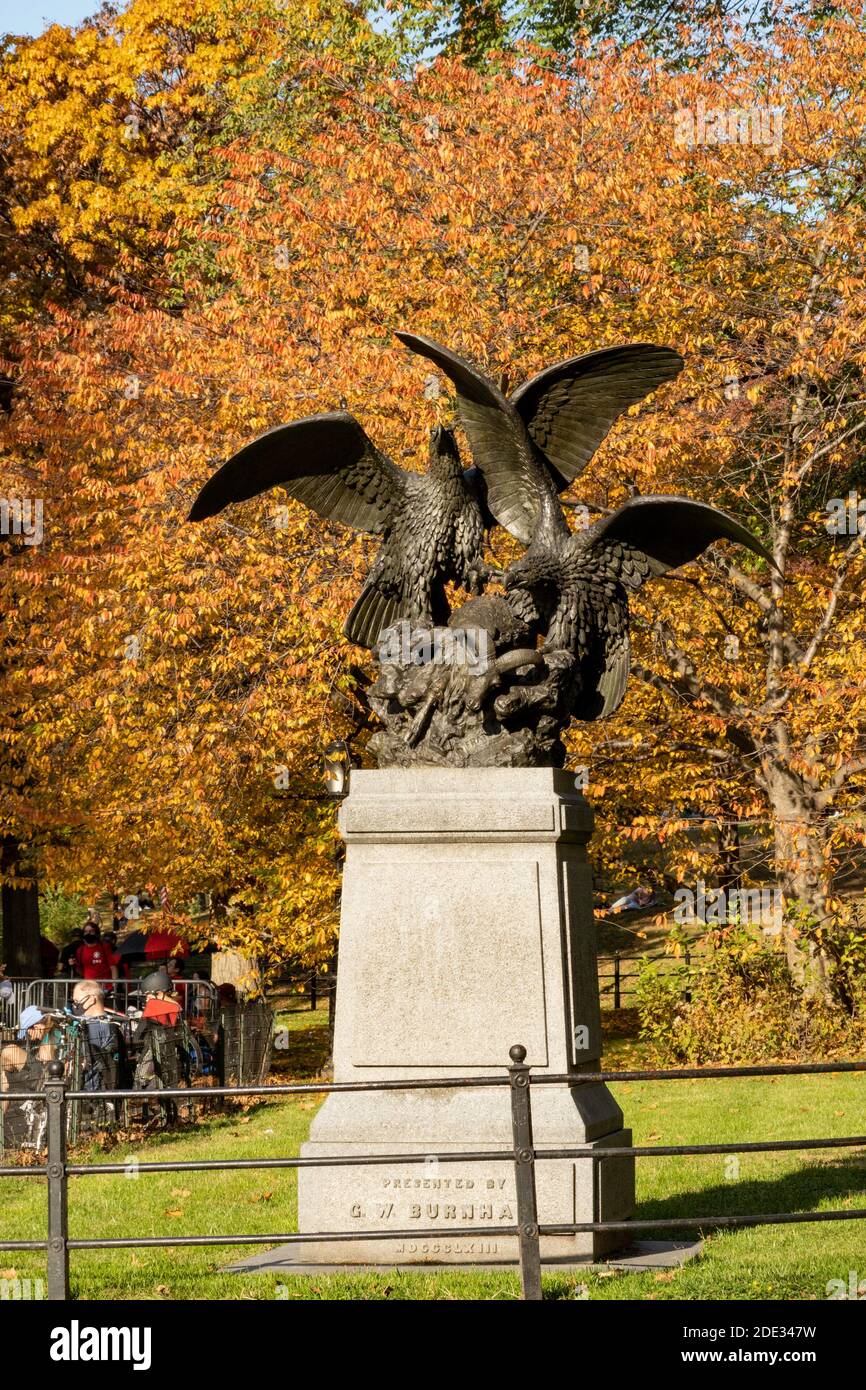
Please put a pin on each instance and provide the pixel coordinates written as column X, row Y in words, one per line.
column 432, row 523
column 573, row 586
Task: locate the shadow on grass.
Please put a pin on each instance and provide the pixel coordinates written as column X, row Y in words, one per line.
column 800, row 1191
column 306, row 1057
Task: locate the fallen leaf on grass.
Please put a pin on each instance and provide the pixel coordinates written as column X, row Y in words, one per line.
column 172, row 1211
column 262, row 1197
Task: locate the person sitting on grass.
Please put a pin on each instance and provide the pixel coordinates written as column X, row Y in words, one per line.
column 637, row 901
column 22, row 1069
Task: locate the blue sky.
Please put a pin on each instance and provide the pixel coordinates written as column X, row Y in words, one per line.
column 32, row 16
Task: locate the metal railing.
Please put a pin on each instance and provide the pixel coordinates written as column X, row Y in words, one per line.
column 618, row 980
column 305, row 989
column 198, row 998
column 10, row 1009
column 524, row 1155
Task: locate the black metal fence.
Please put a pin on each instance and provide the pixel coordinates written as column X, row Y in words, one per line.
column 306, row 989
column 619, row 972
column 57, row 1170
column 228, row 1043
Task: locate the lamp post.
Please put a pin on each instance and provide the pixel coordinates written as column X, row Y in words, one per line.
column 337, row 765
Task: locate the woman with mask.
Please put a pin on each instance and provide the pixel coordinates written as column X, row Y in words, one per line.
column 93, row 960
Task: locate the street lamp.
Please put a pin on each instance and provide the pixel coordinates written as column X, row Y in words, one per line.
column 337, row 765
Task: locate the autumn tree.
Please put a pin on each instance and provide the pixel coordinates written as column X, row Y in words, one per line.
column 522, row 214
column 483, row 31
column 111, row 140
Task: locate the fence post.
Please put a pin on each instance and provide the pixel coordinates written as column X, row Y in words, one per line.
column 688, row 993
column 524, row 1172
column 314, row 996
column 58, row 1231
column 616, row 993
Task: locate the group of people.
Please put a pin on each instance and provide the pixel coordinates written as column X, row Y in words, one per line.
column 148, row 1047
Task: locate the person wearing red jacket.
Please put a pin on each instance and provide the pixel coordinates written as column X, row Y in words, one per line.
column 162, row 1058
column 93, row 958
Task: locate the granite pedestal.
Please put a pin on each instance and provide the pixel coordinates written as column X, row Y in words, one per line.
column 466, row 927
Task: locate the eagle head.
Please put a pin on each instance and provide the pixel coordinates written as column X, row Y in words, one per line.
column 531, row 570
column 444, row 454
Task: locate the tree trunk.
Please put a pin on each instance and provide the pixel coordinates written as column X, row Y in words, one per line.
column 730, row 871
column 803, row 876
column 20, row 913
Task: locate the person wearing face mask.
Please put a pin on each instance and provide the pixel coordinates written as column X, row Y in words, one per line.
column 93, row 959
column 103, row 1051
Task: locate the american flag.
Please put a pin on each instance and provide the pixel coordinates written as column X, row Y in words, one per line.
column 164, row 900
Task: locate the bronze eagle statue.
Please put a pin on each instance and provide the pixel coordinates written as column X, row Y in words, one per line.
column 572, row 588
column 569, row 591
column 432, row 523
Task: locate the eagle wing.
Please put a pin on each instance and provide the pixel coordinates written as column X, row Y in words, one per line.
column 569, row 407
column 501, row 448
column 648, row 536
column 325, row 461
column 640, row 541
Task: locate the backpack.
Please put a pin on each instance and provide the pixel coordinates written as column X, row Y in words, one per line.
column 103, row 1053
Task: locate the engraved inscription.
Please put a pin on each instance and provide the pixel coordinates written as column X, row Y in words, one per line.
column 479, row 1200
column 448, row 1247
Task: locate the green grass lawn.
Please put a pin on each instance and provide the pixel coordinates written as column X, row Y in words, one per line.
column 774, row 1263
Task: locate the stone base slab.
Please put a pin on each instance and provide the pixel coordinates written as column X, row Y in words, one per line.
column 448, row 1197
column 320, row 1258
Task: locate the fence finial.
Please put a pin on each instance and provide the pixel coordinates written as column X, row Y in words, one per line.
column 517, row 1053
